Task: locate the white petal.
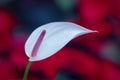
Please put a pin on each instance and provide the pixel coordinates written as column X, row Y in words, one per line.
column 58, row 34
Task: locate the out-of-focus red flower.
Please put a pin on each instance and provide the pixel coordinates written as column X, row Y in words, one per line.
column 82, row 63
column 94, row 11
column 109, row 71
column 7, row 23
column 7, row 72
column 116, row 9
column 7, row 20
column 18, row 56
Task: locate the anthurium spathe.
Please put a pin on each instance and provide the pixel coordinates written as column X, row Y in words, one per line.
column 47, row 39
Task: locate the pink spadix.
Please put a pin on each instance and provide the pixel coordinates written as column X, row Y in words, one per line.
column 38, row 43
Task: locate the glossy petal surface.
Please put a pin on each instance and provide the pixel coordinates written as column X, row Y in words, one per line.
column 57, row 35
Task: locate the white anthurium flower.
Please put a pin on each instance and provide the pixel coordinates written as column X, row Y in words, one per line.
column 47, row 39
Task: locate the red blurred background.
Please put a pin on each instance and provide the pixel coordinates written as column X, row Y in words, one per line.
column 94, row 56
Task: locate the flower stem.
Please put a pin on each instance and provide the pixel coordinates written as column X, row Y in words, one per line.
column 27, row 70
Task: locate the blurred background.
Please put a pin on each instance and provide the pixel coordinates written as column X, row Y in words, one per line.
column 94, row 56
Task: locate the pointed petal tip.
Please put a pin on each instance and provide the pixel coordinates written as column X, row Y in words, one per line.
column 95, row 31
column 92, row 31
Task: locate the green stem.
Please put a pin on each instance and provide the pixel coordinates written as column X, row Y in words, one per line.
column 27, row 70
